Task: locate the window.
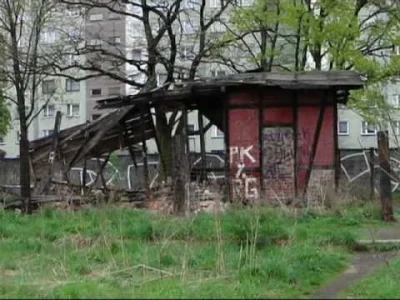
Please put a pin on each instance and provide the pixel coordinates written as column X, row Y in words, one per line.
column 186, row 53
column 216, row 133
column 73, row 59
column 49, row 110
column 245, row 2
column 48, row 86
column 48, row 132
column 189, row 26
column 73, row 110
column 217, row 73
column 72, row 12
column 396, row 127
column 396, row 50
column 215, row 3
column 190, row 128
column 95, row 42
column 136, row 54
column 96, row 17
column 49, row 36
column 114, row 91
column 217, row 27
column 95, row 117
column 190, row 4
column 396, row 101
column 115, row 40
column 113, row 16
column 368, row 129
column 72, row 85
column 95, row 92
column 343, row 128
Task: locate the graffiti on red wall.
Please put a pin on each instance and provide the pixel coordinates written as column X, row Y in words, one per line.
column 278, row 161
column 244, row 185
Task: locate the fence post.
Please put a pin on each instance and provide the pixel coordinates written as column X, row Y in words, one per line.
column 372, row 174
column 385, row 186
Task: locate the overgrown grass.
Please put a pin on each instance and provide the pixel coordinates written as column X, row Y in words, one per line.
column 383, row 283
column 111, row 252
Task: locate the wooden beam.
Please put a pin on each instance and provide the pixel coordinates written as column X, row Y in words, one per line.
column 203, row 173
column 315, row 142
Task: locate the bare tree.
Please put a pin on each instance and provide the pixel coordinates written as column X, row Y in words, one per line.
column 24, row 27
column 163, row 29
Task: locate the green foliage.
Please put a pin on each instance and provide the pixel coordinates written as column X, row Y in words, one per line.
column 345, row 34
column 5, row 116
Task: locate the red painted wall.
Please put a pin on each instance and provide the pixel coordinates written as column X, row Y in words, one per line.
column 245, row 142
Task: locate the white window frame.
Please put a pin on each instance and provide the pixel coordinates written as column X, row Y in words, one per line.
column 49, row 36
column 396, row 101
column 47, row 112
column 73, row 59
column 69, row 85
column 217, row 73
column 70, row 110
column 47, row 132
column 347, row 127
column 96, row 17
column 216, row 133
column 364, row 124
column 215, row 3
column 245, row 3
column 396, row 49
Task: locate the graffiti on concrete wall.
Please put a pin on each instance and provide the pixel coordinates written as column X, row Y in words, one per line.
column 357, row 168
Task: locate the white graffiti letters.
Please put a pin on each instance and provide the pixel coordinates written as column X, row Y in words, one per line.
column 243, row 152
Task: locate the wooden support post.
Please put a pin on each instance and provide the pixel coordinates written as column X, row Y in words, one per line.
column 180, row 172
column 315, row 142
column 84, row 173
column 260, row 143
column 336, row 145
column 100, row 173
column 185, row 132
column 295, row 112
column 144, row 151
column 203, row 173
column 226, row 144
column 371, row 163
column 162, row 160
column 385, row 182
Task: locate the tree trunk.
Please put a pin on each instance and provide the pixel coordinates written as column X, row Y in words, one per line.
column 25, row 178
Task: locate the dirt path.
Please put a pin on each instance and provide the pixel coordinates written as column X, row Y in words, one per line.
column 361, row 266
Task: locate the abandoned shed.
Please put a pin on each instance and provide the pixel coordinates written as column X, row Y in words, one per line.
column 280, row 129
